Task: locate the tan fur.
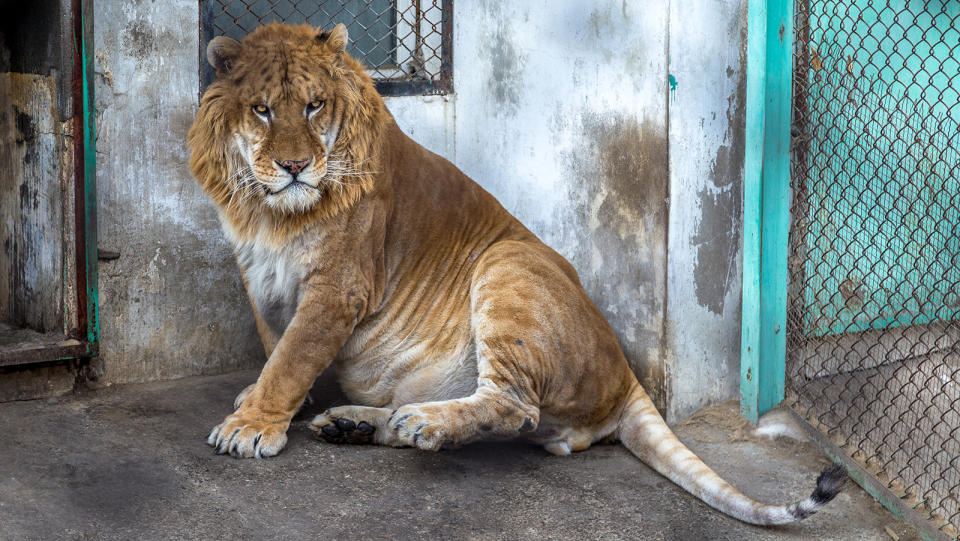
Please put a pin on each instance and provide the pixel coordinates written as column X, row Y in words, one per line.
column 448, row 321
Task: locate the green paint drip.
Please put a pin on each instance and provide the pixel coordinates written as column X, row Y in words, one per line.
column 673, row 83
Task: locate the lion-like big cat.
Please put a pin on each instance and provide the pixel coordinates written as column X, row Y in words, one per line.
column 447, row 320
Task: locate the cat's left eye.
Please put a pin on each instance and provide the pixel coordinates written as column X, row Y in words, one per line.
column 314, row 106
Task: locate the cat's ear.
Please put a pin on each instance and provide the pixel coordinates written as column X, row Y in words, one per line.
column 336, row 39
column 222, row 52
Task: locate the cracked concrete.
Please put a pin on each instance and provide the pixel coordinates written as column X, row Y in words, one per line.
column 130, row 463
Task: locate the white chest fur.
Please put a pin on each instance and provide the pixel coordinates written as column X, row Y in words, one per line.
column 273, row 279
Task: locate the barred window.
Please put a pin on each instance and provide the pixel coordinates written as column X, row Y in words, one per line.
column 407, row 45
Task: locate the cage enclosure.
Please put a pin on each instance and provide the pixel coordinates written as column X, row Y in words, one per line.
column 873, row 309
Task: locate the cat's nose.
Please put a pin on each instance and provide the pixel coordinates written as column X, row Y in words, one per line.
column 294, row 166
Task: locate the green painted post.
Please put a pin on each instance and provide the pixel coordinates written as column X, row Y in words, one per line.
column 90, row 177
column 766, row 205
column 776, row 203
column 752, row 198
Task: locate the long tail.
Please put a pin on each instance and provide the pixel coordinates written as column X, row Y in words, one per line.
column 644, row 432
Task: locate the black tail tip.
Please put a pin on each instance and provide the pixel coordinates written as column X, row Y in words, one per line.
column 829, row 484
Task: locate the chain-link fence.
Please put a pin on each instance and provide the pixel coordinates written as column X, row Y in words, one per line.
column 873, row 337
column 406, row 45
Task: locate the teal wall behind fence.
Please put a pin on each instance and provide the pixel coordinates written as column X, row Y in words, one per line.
column 883, row 145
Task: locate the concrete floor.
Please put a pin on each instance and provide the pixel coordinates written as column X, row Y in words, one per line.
column 131, row 463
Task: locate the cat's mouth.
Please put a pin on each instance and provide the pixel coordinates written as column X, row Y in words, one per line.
column 292, row 197
column 292, row 184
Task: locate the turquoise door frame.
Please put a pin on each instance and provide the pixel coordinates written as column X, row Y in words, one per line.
column 766, row 200
column 91, row 306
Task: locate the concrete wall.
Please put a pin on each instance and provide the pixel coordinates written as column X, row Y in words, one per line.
column 613, row 129
column 563, row 116
column 172, row 305
column 707, row 108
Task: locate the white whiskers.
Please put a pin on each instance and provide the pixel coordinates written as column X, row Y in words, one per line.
column 244, row 185
column 342, row 173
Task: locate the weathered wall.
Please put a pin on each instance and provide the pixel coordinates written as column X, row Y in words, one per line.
column 561, row 114
column 37, row 271
column 614, row 129
column 172, row 304
column 706, row 107
column 563, row 110
column 429, row 120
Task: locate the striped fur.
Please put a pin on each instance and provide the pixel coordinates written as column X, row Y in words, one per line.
column 446, row 319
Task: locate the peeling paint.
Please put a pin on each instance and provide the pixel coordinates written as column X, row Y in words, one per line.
column 718, row 234
column 716, row 242
column 581, row 156
column 705, row 232
column 138, row 40
column 102, row 58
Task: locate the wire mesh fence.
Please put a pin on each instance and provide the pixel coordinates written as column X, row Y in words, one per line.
column 873, row 323
column 405, row 44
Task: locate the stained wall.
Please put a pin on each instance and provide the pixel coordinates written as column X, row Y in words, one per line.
column 614, row 130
